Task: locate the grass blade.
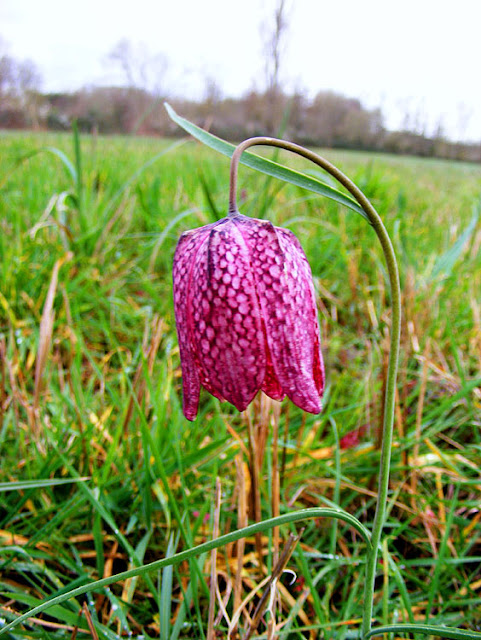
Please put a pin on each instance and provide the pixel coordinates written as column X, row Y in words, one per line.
column 46, row 329
column 166, row 591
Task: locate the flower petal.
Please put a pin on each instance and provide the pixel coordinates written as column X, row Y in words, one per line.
column 271, row 385
column 286, row 296
column 292, row 244
column 227, row 332
column 184, row 260
column 199, row 272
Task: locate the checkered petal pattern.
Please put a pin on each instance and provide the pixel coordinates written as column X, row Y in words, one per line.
column 246, row 315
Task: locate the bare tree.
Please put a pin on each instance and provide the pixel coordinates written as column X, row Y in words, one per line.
column 465, row 114
column 141, row 69
column 29, row 81
column 20, row 97
column 121, row 55
column 274, row 39
column 274, row 47
column 144, row 74
column 212, row 91
column 7, row 74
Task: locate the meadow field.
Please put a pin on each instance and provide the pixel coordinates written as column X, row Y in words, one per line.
column 101, row 473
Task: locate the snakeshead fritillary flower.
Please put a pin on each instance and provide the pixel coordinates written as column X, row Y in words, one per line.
column 246, row 315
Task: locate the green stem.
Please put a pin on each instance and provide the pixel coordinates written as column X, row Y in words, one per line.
column 390, row 393
column 79, row 177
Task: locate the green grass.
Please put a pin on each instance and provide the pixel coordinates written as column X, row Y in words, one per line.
column 93, row 397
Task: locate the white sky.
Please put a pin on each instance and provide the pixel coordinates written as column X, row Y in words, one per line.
column 416, row 56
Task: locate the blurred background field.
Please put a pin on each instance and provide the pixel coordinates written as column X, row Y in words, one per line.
column 90, row 390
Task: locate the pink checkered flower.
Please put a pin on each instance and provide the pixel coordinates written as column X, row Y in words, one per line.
column 246, row 315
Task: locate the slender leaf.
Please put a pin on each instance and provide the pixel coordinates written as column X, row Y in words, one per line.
column 426, row 629
column 67, row 163
column 445, row 263
column 22, row 485
column 265, row 525
column 266, row 166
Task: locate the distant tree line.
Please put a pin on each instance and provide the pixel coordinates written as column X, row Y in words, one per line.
column 327, row 120
column 20, row 98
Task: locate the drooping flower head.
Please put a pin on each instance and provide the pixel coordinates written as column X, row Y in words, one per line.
column 246, row 315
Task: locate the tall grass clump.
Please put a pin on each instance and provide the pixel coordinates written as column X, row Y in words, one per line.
column 119, row 518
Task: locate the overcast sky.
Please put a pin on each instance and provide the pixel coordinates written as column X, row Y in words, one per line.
column 420, row 57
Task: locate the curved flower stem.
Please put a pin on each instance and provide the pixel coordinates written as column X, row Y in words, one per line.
column 389, row 399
